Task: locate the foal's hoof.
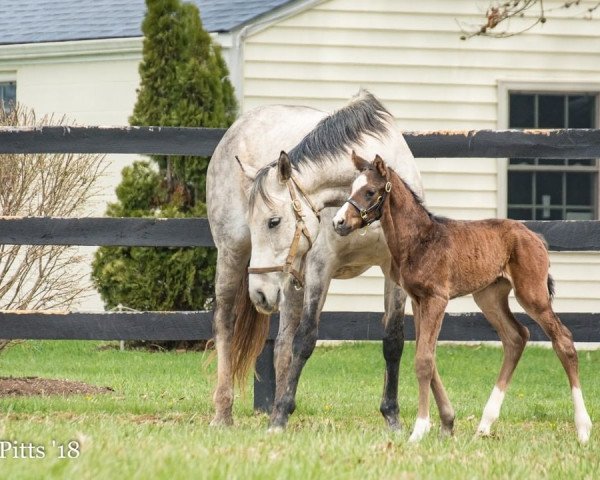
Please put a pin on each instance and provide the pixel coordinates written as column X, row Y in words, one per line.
column 422, row 427
column 584, row 429
column 219, row 422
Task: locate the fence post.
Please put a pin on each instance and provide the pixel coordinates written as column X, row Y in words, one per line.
column 264, row 380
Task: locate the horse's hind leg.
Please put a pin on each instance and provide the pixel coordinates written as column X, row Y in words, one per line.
column 493, row 302
column 229, row 276
column 445, row 408
column 535, row 299
column 393, row 345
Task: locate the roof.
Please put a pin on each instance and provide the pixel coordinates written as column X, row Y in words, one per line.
column 38, row 21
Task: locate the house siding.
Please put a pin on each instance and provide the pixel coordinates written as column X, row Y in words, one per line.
column 410, row 55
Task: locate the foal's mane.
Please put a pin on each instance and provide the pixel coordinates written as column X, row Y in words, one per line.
column 419, row 201
column 363, row 116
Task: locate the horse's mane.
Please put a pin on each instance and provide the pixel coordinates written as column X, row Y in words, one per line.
column 363, row 116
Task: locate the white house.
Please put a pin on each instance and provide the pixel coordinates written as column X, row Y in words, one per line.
column 80, row 58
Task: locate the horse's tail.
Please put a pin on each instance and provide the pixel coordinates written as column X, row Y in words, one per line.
column 249, row 334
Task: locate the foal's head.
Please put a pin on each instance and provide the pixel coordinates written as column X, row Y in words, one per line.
column 369, row 190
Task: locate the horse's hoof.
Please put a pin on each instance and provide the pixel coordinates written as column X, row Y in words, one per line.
column 220, row 422
column 394, row 425
column 446, row 432
column 275, row 429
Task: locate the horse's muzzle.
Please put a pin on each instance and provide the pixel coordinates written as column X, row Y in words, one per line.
column 264, row 303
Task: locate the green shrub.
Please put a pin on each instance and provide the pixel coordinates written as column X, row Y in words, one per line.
column 184, row 82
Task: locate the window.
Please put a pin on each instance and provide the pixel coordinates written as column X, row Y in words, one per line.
column 552, row 189
column 8, row 95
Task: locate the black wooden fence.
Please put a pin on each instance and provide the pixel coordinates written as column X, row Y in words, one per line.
column 561, row 235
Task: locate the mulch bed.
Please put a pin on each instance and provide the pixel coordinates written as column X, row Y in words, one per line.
column 25, row 386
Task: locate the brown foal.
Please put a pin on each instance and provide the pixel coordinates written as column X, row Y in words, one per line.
column 436, row 259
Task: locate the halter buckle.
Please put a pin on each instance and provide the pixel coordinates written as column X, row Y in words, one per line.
column 388, row 187
column 297, row 206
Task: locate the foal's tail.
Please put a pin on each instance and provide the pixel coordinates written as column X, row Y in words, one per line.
column 249, row 334
column 550, row 287
column 550, row 281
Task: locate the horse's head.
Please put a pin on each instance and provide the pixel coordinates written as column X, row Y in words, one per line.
column 283, row 226
column 364, row 206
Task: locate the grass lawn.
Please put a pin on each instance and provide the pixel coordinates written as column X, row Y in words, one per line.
column 155, row 425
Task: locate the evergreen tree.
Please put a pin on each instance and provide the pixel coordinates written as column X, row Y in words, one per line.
column 184, row 82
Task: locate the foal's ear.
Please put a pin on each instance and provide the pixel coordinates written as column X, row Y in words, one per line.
column 380, row 166
column 248, row 171
column 359, row 162
column 284, row 167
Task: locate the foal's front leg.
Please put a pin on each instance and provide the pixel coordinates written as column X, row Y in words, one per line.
column 430, row 316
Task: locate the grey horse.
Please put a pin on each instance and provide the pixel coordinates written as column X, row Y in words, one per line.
column 273, row 216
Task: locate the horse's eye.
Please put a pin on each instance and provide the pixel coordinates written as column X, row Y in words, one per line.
column 369, row 193
column 273, row 222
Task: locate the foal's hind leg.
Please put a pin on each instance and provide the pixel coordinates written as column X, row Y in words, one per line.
column 493, row 302
column 393, row 345
column 535, row 299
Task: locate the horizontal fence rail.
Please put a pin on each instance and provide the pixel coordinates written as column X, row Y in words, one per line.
column 122, row 232
column 53, row 325
column 558, row 143
column 193, row 232
column 561, row 235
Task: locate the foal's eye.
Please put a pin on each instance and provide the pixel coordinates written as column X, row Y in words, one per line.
column 273, row 222
column 369, row 193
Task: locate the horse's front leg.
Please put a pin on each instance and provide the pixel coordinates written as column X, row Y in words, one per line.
column 393, row 345
column 317, row 281
column 289, row 317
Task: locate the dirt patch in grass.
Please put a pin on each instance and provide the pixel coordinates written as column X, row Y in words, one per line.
column 27, row 386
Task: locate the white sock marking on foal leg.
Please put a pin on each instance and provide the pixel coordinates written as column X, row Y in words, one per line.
column 491, row 412
column 422, row 426
column 583, row 423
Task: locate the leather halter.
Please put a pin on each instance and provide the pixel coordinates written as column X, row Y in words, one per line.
column 376, row 207
column 288, row 266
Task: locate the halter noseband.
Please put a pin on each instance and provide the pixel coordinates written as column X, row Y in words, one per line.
column 376, row 207
column 288, row 266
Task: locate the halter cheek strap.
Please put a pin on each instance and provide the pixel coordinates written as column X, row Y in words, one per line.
column 376, row 207
column 301, row 230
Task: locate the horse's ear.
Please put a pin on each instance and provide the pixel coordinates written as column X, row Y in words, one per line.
column 359, row 162
column 248, row 171
column 380, row 166
column 284, row 167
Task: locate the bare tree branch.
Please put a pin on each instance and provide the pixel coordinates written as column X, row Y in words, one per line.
column 498, row 16
column 59, row 185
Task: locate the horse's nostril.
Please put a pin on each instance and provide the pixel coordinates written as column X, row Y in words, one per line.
column 339, row 222
column 261, row 297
